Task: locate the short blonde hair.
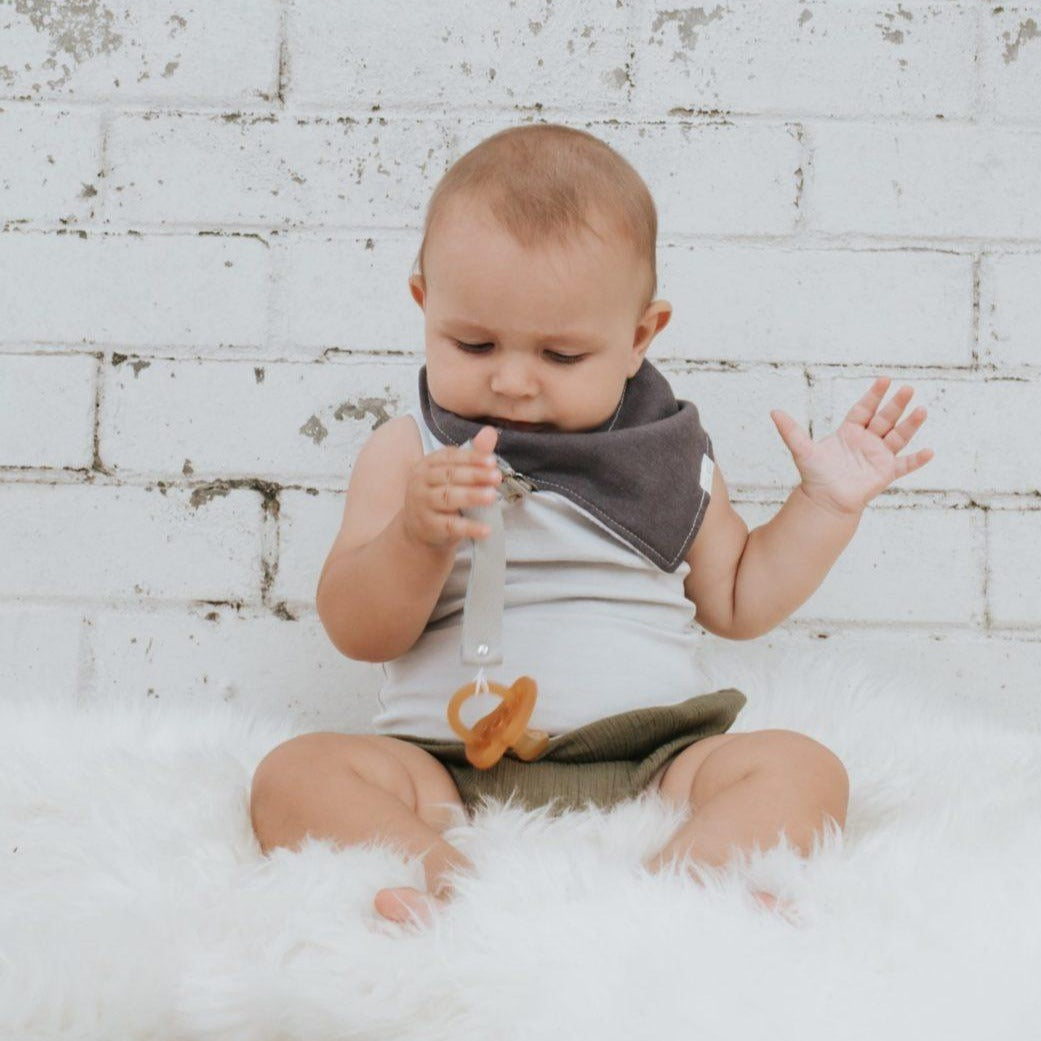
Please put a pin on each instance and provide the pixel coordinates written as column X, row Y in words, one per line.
column 543, row 181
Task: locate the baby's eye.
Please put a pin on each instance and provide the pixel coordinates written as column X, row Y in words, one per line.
column 473, row 348
column 564, row 359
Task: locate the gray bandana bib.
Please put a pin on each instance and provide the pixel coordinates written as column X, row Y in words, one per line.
column 645, row 473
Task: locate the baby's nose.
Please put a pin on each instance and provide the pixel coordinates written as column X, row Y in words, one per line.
column 513, row 380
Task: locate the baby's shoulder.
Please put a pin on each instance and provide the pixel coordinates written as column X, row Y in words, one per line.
column 394, row 443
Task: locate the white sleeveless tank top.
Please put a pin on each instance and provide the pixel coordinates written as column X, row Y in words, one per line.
column 599, row 627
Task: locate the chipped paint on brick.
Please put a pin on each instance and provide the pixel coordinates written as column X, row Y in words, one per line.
column 187, row 468
column 890, row 33
column 376, row 407
column 314, row 430
column 687, row 21
column 206, row 492
column 258, row 374
column 1027, row 31
column 80, row 29
column 137, row 366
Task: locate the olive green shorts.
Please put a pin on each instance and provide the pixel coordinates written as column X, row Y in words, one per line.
column 604, row 762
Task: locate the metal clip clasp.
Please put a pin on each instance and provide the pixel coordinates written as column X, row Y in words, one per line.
column 514, row 485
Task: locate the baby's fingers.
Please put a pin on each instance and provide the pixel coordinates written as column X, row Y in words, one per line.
column 905, row 464
column 902, row 433
column 444, row 497
column 456, row 526
column 447, row 472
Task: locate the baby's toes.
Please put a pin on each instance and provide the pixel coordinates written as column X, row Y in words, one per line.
column 406, row 904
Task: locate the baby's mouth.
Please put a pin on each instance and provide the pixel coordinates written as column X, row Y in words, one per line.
column 510, row 424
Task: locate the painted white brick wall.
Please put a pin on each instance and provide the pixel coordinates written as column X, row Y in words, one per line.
column 209, row 212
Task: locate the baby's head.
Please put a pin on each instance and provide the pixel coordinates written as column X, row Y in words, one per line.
column 538, row 257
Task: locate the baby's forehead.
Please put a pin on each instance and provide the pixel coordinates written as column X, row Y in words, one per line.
column 592, row 225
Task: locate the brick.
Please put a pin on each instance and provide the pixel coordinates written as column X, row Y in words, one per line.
column 932, row 180
column 903, row 565
column 1010, row 309
column 94, row 542
column 506, row 56
column 808, row 305
column 713, row 178
column 293, row 421
column 267, row 170
column 836, row 59
column 39, row 652
column 308, row 525
column 1014, row 587
column 734, row 408
column 149, row 50
column 266, row 665
column 348, row 293
column 981, row 429
column 52, row 163
column 47, row 410
column 133, row 291
column 1010, row 62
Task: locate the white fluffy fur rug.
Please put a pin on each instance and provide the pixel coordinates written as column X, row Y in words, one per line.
column 135, row 904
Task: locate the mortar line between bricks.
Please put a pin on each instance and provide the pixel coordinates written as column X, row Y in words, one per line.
column 96, row 464
column 621, row 116
column 676, row 364
column 938, row 499
column 977, row 262
column 808, row 239
column 284, row 70
column 987, row 622
column 248, row 610
column 987, row 372
column 981, row 115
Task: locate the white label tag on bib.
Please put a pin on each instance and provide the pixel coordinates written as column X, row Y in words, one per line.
column 707, row 469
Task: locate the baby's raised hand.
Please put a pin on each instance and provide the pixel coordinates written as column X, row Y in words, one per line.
column 447, row 481
column 847, row 469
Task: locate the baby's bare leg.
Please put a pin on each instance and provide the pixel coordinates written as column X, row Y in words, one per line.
column 356, row 788
column 744, row 789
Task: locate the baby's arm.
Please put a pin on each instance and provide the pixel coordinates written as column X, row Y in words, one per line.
column 396, row 546
column 745, row 584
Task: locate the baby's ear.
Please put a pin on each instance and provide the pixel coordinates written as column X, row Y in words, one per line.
column 418, row 288
column 654, row 319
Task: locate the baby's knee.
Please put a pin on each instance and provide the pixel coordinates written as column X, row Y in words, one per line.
column 289, row 770
column 816, row 766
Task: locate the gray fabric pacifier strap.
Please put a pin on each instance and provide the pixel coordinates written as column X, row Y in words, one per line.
column 485, row 588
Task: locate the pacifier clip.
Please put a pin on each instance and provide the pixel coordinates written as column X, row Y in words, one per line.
column 505, row 727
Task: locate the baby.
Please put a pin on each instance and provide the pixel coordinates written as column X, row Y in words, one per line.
column 537, row 280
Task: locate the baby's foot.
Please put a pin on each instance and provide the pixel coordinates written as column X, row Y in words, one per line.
column 407, row 904
column 782, row 907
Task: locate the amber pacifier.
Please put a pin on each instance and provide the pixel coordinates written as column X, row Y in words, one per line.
column 504, row 727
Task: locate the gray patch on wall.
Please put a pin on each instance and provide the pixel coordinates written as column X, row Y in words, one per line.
column 1027, row 31
column 376, row 407
column 314, row 430
column 80, row 29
